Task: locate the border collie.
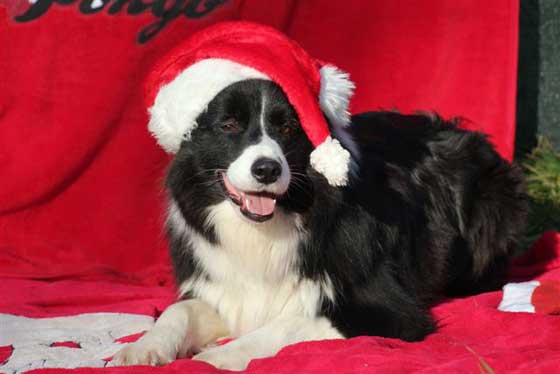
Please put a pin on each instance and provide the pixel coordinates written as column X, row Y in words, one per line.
column 267, row 252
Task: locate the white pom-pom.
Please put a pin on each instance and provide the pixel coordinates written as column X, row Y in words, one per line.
column 335, row 94
column 331, row 160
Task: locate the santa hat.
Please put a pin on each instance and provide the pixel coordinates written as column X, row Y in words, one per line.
column 532, row 297
column 186, row 80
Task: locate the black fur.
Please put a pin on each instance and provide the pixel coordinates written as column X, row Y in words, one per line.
column 432, row 210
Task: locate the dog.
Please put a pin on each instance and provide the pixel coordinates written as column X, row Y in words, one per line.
column 266, row 251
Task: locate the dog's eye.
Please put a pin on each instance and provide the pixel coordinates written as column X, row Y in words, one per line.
column 230, row 125
column 288, row 128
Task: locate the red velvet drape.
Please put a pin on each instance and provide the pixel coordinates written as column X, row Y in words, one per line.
column 80, row 177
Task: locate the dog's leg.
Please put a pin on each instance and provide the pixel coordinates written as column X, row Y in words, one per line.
column 267, row 341
column 184, row 326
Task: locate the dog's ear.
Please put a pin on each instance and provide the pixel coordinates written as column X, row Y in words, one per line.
column 336, row 91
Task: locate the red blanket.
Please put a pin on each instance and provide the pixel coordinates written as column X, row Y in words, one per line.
column 81, row 201
column 473, row 336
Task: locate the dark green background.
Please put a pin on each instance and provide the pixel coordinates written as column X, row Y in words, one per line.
column 538, row 92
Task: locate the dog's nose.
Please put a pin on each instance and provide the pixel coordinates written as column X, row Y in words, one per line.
column 266, row 170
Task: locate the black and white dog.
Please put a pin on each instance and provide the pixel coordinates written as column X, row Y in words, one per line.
column 268, row 252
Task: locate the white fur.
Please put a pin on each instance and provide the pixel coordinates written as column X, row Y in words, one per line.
column 184, row 327
column 262, row 116
column 331, row 160
column 335, row 94
column 267, row 341
column 253, row 273
column 161, row 344
column 181, row 101
column 254, row 286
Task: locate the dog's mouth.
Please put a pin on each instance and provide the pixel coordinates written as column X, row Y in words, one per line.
column 257, row 206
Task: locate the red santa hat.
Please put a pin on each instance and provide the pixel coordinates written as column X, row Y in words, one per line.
column 536, row 296
column 187, row 79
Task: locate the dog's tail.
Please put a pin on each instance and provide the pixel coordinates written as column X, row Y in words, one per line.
column 494, row 213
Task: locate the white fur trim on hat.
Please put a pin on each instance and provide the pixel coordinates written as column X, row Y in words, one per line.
column 335, row 94
column 331, row 160
column 517, row 297
column 179, row 102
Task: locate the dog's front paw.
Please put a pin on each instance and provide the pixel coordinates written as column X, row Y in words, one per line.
column 146, row 351
column 224, row 357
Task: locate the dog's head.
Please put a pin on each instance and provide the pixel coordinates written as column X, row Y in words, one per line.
column 248, row 148
column 254, row 111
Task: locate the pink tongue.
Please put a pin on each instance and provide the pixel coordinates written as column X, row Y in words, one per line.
column 260, row 205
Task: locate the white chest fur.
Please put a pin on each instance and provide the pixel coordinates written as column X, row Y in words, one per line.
column 252, row 273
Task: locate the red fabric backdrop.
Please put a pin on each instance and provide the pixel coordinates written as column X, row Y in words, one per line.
column 80, row 178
